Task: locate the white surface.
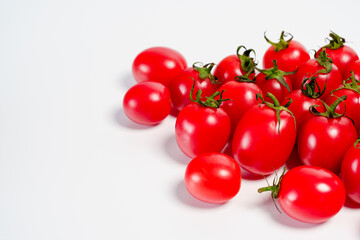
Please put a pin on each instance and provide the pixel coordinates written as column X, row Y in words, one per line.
column 73, row 167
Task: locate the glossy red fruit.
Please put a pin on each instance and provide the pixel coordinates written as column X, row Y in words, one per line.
column 324, row 139
column 309, row 194
column 350, row 172
column 264, row 138
column 158, row 64
column 289, row 54
column 147, row 103
column 343, row 56
column 213, row 177
column 354, row 67
column 181, row 85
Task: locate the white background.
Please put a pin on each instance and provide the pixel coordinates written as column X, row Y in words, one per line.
column 72, row 166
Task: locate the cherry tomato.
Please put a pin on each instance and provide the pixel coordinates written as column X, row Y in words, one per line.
column 261, row 142
column 343, row 56
column 332, row 76
column 213, row 177
column 235, row 65
column 243, row 97
column 147, row 103
column 350, row 172
column 289, row 54
column 200, row 128
column 324, row 139
column 355, row 67
column 180, row 86
column 274, row 81
column 309, row 194
column 352, row 102
column 158, row 64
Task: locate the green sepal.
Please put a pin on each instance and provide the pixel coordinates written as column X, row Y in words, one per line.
column 205, row 71
column 282, row 44
column 329, row 110
column 336, row 42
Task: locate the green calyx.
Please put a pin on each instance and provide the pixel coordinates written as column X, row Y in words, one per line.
column 282, row 44
column 276, row 106
column 247, row 63
column 205, row 71
column 329, row 110
column 309, row 86
column 356, row 143
column 336, row 42
column 210, row 101
column 276, row 73
column 274, row 188
column 324, row 61
column 353, row 85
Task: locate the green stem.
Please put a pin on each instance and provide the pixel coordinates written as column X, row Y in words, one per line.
column 282, row 44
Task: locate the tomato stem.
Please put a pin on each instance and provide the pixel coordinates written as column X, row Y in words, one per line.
column 309, row 85
column 329, row 110
column 205, row 71
column 282, row 44
column 336, row 42
column 324, row 60
column 353, row 85
column 248, row 63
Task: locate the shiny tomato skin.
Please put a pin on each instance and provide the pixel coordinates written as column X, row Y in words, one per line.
column 323, row 141
column 181, row 85
column 350, row 173
column 243, row 97
column 311, row 194
column 352, row 103
column 300, row 107
column 147, row 103
column 213, row 177
column 355, row 67
column 332, row 79
column 158, row 64
column 342, row 57
column 201, row 129
column 229, row 68
column 257, row 144
column 273, row 86
column 288, row 59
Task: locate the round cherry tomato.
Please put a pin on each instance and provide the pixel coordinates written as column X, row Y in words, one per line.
column 181, row 85
column 343, row 56
column 147, row 103
column 243, row 97
column 158, row 64
column 213, row 177
column 235, row 65
column 289, row 54
column 274, row 81
column 261, row 143
column 200, row 129
column 309, row 194
column 331, row 77
column 324, row 139
column 350, row 172
column 352, row 103
column 355, row 67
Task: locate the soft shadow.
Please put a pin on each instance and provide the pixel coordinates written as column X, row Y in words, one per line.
column 174, row 152
column 127, row 80
column 294, row 159
column 185, row 197
column 251, row 176
column 122, row 120
column 282, row 217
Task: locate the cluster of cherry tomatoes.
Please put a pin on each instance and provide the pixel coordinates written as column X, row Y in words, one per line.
column 295, row 107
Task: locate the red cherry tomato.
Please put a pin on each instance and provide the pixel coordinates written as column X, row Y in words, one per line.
column 147, row 103
column 262, row 144
column 323, row 140
column 158, row 64
column 350, row 172
column 243, row 97
column 200, row 129
column 309, row 194
column 332, row 79
column 289, row 54
column 213, row 177
column 233, row 66
column 181, row 85
column 355, row 67
column 343, row 56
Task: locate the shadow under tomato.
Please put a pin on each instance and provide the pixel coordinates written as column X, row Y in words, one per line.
column 173, row 151
column 127, row 81
column 185, row 197
column 282, row 218
column 122, row 120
